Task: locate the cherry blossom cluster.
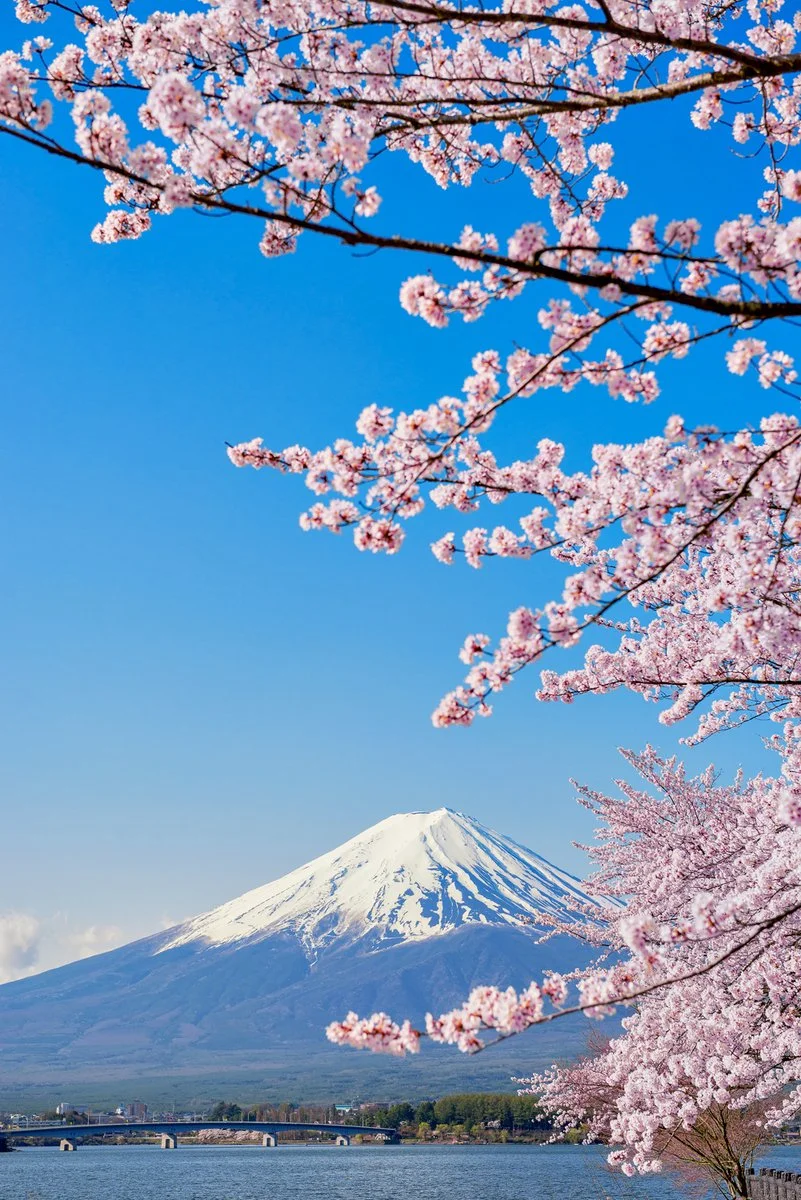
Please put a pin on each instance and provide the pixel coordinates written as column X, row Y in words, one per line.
column 680, row 553
column 279, row 111
column 378, row 1033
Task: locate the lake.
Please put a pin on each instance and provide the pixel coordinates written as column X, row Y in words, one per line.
column 331, row 1173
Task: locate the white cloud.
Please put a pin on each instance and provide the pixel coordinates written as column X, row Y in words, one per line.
column 168, row 922
column 95, row 939
column 30, row 944
column 20, row 938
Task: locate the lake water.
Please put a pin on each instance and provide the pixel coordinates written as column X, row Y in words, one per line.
column 332, row 1173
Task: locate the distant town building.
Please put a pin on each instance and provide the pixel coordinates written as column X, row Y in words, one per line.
column 134, row 1110
column 64, row 1109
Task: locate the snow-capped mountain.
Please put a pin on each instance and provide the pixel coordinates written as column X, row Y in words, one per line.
column 408, row 916
column 409, row 877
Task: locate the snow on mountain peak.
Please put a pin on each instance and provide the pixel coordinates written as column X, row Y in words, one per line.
column 411, row 876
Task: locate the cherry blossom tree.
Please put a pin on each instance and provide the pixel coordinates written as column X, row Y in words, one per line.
column 703, row 1065
column 717, row 1146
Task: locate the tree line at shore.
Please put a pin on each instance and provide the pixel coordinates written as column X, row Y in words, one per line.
column 488, row 1116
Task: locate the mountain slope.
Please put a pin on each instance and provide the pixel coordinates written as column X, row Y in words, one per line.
column 406, row 916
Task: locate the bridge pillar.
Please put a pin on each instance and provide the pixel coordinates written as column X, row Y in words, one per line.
column 168, row 1141
column 65, row 1144
column 342, row 1140
column 269, row 1139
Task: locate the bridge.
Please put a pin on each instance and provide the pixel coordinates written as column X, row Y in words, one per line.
column 170, row 1131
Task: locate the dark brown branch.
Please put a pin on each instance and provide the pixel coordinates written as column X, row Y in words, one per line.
column 753, row 310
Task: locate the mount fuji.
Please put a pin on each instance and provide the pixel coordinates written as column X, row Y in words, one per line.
column 407, row 916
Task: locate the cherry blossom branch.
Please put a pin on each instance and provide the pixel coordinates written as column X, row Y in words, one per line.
column 508, row 1014
column 354, row 236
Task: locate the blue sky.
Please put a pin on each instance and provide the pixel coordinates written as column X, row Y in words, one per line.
column 198, row 696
